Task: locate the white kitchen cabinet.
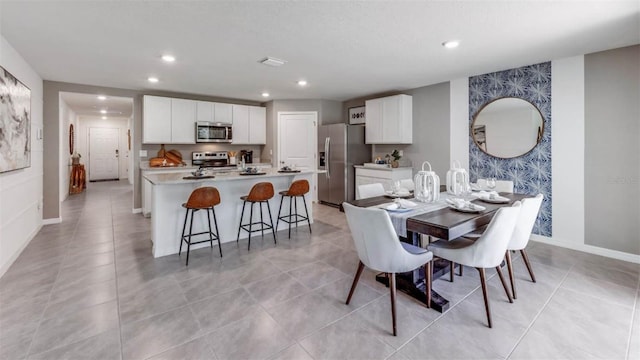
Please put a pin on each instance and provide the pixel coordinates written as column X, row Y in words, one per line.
column 204, row 111
column 156, row 120
column 389, row 120
column 257, row 125
column 384, row 176
column 168, row 121
column 223, row 113
column 249, row 124
column 183, row 121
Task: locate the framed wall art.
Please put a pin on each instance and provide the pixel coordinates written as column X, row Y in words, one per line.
column 15, row 122
column 356, row 115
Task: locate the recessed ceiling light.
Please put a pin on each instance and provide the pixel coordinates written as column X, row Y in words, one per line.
column 102, row 97
column 104, row 118
column 153, row 79
column 265, row 94
column 272, row 61
column 168, row 58
column 451, row 44
column 302, row 82
column 103, row 111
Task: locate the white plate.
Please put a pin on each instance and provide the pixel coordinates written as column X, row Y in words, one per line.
column 495, row 201
column 465, row 210
column 400, row 210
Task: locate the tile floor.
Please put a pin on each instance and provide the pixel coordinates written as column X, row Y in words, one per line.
column 88, row 288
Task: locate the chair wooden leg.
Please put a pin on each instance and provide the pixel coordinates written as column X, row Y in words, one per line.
column 511, row 276
column 483, row 282
column 526, row 262
column 452, row 266
column 392, row 290
column 504, row 283
column 355, row 281
column 428, row 273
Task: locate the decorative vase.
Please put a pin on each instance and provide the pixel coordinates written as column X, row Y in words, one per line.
column 457, row 180
column 395, row 164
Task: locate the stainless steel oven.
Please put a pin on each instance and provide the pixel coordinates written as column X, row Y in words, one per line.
column 207, row 132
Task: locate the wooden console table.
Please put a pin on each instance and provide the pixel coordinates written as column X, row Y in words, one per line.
column 77, row 179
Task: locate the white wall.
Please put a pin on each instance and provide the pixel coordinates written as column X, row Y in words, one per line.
column 459, row 122
column 67, row 117
column 85, row 123
column 21, row 190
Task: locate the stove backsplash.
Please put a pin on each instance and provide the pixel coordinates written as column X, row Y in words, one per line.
column 186, row 149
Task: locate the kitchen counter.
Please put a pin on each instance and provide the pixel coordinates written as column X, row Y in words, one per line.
column 144, row 166
column 169, row 191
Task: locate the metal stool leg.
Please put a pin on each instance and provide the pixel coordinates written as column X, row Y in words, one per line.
column 271, row 220
column 250, row 222
column 209, row 222
column 190, row 232
column 306, row 212
column 184, row 227
column 290, row 214
column 295, row 207
column 261, row 221
column 241, row 217
column 215, row 222
column 279, row 211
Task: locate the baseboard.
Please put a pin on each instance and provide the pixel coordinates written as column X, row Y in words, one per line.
column 51, row 221
column 614, row 254
column 14, row 257
column 136, row 210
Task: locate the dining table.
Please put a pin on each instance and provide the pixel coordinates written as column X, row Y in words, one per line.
column 434, row 220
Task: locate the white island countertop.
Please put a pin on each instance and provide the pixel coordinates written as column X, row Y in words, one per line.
column 177, row 177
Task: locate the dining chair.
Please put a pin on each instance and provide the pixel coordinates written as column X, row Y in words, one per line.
column 501, row 185
column 486, row 252
column 370, row 190
column 380, row 249
column 521, row 235
column 407, row 184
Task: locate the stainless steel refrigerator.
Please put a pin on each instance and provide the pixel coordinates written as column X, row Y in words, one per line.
column 340, row 146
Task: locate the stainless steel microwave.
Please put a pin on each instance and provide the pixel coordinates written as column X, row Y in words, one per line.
column 207, row 132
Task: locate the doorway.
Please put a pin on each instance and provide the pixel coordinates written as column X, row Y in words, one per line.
column 104, row 154
column 297, row 142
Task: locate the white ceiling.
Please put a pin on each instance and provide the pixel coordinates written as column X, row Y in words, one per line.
column 344, row 49
column 88, row 105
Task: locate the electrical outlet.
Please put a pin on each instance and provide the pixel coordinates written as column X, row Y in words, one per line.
column 401, row 153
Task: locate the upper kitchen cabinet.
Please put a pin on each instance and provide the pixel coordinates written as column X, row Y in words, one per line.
column 249, row 124
column 168, row 121
column 156, row 120
column 214, row 112
column 389, row 120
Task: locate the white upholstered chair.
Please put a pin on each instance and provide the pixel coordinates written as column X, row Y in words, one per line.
column 370, row 190
column 485, row 252
column 380, row 249
column 501, row 185
column 521, row 235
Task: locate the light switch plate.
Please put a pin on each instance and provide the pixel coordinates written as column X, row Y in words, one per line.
column 143, row 153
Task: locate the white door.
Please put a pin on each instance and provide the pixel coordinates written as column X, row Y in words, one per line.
column 103, row 154
column 297, row 136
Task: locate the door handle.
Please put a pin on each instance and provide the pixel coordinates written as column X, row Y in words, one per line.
column 327, row 161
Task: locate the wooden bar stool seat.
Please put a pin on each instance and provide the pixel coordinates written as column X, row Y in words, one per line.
column 297, row 189
column 260, row 193
column 204, row 198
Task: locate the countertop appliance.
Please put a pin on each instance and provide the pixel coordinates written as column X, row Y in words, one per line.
column 210, row 158
column 208, row 132
column 247, row 155
column 340, row 146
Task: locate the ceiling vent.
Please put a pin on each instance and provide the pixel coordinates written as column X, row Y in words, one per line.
column 272, row 62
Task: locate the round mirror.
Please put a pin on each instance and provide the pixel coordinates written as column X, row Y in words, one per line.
column 507, row 127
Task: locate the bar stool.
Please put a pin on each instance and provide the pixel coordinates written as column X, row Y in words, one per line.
column 297, row 189
column 204, row 198
column 260, row 193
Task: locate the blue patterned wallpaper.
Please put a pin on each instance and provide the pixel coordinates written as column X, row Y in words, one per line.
column 530, row 173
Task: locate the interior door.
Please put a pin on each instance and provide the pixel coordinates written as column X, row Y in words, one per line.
column 297, row 141
column 103, row 154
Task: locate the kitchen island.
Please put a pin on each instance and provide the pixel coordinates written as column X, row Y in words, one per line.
column 170, row 191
